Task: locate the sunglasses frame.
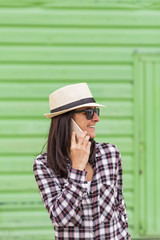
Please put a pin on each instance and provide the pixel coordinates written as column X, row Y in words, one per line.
column 95, row 110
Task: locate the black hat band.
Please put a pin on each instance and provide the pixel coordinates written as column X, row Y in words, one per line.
column 73, row 104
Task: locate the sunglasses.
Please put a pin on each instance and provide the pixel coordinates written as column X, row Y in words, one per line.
column 89, row 112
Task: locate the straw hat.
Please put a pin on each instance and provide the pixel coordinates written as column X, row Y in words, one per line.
column 69, row 98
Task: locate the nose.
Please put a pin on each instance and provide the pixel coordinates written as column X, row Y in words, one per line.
column 96, row 117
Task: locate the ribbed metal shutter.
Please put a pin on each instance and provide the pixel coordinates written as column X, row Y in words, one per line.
column 45, row 45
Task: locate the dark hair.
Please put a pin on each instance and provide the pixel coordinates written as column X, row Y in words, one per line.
column 59, row 142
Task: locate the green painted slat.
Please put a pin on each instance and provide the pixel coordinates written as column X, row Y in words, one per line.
column 16, row 183
column 128, row 182
column 33, row 145
column 120, row 108
column 150, row 58
column 116, row 4
column 62, row 54
column 28, row 109
column 16, row 164
column 114, row 127
column 128, row 197
column 74, row 54
column 24, row 219
column 21, row 201
column 65, row 72
column 29, row 91
column 24, row 127
column 28, row 234
column 124, row 144
column 10, row 109
column 24, row 3
column 49, row 36
column 130, row 218
column 78, row 17
column 127, row 162
column 89, row 4
column 10, row 198
column 39, row 127
column 22, row 145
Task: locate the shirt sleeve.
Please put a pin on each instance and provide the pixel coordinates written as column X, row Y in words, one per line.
column 121, row 202
column 62, row 203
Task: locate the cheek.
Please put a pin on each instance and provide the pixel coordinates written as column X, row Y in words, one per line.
column 83, row 125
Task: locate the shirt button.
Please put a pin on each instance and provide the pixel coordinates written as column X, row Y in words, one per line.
column 84, row 194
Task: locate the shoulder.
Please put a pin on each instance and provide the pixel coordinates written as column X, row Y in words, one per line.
column 40, row 163
column 41, row 159
column 107, row 149
column 43, row 173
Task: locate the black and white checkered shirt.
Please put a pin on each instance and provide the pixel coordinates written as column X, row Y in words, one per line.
column 77, row 214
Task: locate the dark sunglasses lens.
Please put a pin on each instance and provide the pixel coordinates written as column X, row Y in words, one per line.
column 96, row 110
column 90, row 113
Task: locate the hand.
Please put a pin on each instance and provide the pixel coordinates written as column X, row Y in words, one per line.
column 80, row 150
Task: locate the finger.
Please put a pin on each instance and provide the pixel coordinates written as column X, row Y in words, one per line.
column 88, row 147
column 81, row 137
column 86, row 140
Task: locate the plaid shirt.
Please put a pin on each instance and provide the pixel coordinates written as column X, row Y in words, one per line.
column 75, row 214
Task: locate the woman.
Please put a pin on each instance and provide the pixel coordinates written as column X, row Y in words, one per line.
column 80, row 181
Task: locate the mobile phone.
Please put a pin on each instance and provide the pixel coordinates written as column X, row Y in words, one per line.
column 75, row 128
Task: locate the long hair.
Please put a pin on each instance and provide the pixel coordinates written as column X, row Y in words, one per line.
column 59, row 143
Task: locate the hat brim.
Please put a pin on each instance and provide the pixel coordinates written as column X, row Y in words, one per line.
column 51, row 115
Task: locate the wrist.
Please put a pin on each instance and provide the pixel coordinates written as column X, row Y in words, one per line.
column 78, row 167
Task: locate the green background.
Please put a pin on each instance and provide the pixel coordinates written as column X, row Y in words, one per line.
column 114, row 46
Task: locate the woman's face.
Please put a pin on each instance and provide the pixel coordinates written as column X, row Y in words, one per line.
column 85, row 124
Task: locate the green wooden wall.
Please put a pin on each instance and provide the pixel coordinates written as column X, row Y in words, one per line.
column 45, row 45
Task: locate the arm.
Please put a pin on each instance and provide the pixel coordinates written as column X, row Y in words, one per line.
column 63, row 204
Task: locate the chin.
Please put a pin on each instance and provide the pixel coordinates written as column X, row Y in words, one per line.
column 92, row 136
